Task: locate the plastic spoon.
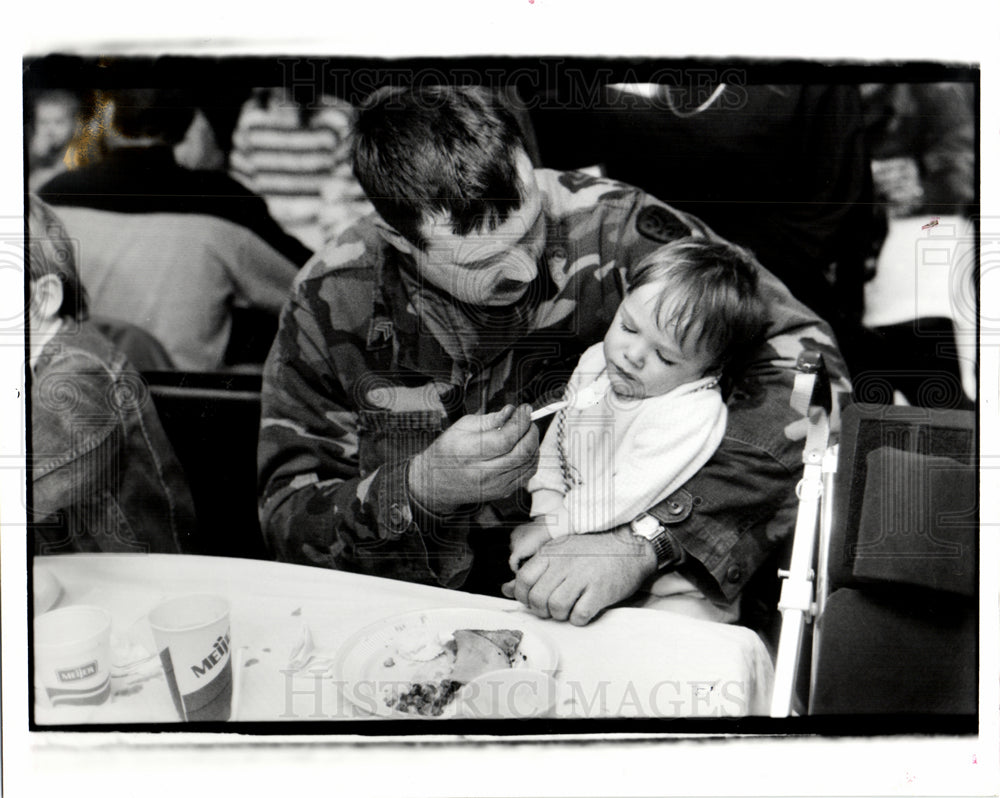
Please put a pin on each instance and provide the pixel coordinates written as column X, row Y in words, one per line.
column 585, row 397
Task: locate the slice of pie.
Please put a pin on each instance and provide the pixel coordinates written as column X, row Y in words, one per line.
column 507, row 640
column 480, row 651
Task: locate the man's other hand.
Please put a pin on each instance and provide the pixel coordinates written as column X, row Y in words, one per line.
column 575, row 577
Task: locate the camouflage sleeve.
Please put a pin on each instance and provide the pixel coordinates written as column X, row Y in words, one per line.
column 317, row 507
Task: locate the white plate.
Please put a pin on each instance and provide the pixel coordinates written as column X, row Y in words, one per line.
column 370, row 665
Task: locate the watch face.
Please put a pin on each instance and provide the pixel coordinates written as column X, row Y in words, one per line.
column 646, row 526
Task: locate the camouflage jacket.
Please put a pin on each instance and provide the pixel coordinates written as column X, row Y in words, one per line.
column 369, row 367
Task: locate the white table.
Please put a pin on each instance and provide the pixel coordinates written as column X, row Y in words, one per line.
column 627, row 663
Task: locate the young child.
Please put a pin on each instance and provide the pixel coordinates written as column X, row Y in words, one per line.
column 104, row 477
column 690, row 309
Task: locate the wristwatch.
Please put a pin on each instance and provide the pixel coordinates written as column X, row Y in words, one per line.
column 668, row 553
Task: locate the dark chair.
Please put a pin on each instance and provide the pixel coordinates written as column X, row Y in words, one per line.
column 898, row 633
column 143, row 349
column 896, row 626
column 251, row 336
column 212, row 421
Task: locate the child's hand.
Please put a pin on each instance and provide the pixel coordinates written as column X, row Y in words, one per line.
column 526, row 539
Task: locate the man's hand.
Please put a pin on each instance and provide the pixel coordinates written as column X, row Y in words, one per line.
column 479, row 458
column 527, row 539
column 575, row 577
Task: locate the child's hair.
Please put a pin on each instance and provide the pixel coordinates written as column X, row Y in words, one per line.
column 709, row 296
column 50, row 251
column 434, row 149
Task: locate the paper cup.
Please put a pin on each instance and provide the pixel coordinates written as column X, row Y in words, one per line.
column 508, row 693
column 192, row 637
column 73, row 655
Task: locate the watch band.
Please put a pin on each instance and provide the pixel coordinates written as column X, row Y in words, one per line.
column 668, row 553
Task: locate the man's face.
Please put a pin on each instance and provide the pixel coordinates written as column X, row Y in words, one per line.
column 492, row 268
column 642, row 359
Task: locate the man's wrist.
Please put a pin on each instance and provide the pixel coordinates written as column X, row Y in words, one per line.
column 668, row 552
column 643, row 552
column 420, row 495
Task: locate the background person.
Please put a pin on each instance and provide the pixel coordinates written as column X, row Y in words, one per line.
column 293, row 148
column 104, row 477
column 55, row 119
column 172, row 250
column 920, row 341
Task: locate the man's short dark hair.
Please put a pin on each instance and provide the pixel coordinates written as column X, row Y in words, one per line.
column 434, row 149
column 156, row 113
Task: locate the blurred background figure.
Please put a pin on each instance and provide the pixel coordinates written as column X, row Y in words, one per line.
column 200, row 149
column 177, row 252
column 208, row 142
column 293, row 147
column 922, row 139
column 921, row 302
column 104, row 477
column 54, row 119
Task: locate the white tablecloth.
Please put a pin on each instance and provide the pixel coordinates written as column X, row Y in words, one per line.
column 627, row 663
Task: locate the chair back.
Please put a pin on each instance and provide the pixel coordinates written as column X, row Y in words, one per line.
column 212, row 421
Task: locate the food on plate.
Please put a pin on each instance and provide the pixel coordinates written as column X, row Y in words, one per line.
column 417, row 646
column 426, row 698
column 479, row 651
column 468, row 654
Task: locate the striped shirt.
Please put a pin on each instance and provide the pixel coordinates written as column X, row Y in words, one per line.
column 302, row 168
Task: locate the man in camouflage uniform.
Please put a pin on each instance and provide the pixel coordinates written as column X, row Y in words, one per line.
column 396, row 434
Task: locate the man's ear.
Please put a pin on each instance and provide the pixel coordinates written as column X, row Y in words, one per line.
column 46, row 298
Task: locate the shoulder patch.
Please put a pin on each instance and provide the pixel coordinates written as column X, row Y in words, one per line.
column 658, row 224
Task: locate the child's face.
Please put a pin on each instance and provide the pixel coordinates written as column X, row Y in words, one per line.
column 643, row 360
